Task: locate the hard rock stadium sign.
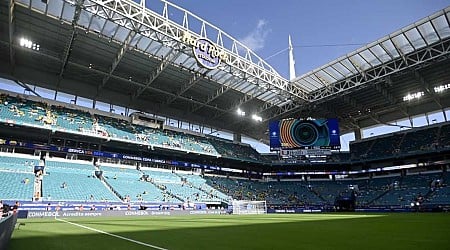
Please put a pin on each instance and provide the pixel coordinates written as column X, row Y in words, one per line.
column 206, row 52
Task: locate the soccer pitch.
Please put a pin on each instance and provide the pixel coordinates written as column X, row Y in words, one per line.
column 271, row 231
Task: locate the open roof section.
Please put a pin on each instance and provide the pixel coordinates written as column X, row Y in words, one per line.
column 417, row 37
column 133, row 24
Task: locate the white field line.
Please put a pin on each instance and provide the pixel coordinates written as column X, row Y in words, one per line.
column 113, row 235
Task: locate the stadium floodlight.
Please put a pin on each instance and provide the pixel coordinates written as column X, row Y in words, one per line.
column 257, row 118
column 442, row 88
column 26, row 43
column 240, row 112
column 413, row 96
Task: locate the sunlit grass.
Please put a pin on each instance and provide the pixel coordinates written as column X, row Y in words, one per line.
column 294, row 231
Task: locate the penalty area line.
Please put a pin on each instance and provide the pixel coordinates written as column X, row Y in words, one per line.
column 113, row 235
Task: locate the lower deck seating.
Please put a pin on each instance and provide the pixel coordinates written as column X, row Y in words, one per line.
column 441, row 196
column 15, row 163
column 16, row 186
column 129, row 184
column 75, row 187
column 74, row 181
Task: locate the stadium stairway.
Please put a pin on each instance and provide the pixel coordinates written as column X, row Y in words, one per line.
column 103, row 180
column 73, row 181
column 128, row 185
column 377, row 198
column 204, row 193
column 319, row 195
column 167, row 192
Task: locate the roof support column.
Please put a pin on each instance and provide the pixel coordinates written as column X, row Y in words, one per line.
column 237, row 138
column 358, row 134
column 11, row 33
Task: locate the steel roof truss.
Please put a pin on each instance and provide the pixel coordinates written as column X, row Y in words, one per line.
column 194, row 80
column 427, row 87
column 129, row 12
column 117, row 58
column 171, row 56
column 220, row 91
column 389, row 97
column 69, row 44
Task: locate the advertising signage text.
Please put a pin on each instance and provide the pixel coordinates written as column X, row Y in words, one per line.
column 206, row 52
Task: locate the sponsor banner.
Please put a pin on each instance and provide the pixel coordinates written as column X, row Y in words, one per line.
column 207, row 212
column 285, row 211
column 48, row 214
column 312, row 210
column 207, row 54
column 293, row 210
column 42, row 214
column 103, row 154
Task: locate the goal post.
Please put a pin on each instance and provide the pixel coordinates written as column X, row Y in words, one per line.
column 249, row 207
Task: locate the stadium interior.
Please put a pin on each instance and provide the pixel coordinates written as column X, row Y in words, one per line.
column 112, row 108
column 127, row 148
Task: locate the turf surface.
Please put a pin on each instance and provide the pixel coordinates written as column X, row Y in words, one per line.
column 293, row 231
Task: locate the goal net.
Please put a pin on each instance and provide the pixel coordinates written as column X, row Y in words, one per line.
column 249, row 207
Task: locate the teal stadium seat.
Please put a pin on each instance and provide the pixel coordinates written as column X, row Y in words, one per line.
column 80, row 180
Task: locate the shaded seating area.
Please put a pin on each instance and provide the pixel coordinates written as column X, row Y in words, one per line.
column 235, row 151
column 291, row 193
column 367, row 190
column 444, row 139
column 385, row 146
column 419, row 140
column 39, row 114
column 441, row 196
column 360, row 149
column 24, row 111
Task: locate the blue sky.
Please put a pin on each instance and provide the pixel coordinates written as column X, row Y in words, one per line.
column 265, row 25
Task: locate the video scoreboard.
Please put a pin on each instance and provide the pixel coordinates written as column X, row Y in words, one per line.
column 308, row 134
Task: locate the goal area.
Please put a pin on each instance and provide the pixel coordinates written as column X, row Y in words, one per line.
column 249, row 207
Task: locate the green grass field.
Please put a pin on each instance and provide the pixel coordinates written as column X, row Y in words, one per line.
column 293, row 231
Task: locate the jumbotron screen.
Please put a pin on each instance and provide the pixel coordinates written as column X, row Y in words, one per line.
column 304, row 134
